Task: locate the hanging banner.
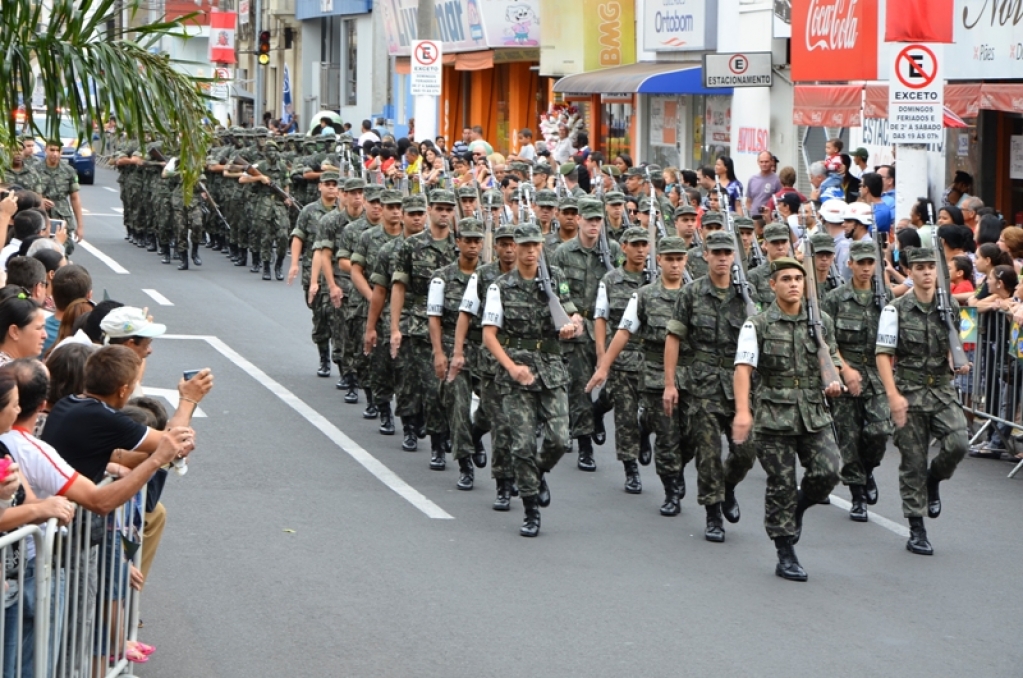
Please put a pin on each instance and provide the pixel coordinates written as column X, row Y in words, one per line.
column 222, row 37
column 288, row 107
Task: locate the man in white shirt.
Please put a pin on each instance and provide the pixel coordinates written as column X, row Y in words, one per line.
column 367, row 133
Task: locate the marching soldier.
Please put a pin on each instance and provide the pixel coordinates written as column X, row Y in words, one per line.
column 823, row 257
column 546, row 203
column 685, row 223
column 568, row 226
column 614, row 209
column 187, row 219
column 696, row 264
column 58, row 184
column 777, row 244
column 270, row 212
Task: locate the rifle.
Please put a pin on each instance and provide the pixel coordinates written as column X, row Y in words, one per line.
column 739, row 279
column 651, row 270
column 880, row 298
column 656, row 217
column 558, row 314
column 160, row 157
column 603, row 247
column 253, row 171
column 488, row 229
column 955, row 341
column 829, row 373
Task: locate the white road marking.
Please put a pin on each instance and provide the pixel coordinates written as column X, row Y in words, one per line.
column 94, row 251
column 172, row 397
column 119, row 210
column 873, row 517
column 111, row 189
column 158, row 298
column 349, row 446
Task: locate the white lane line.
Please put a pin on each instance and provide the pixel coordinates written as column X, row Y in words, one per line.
column 873, row 517
column 94, row 251
column 349, row 446
column 87, row 213
column 158, row 298
column 119, row 210
column 111, row 189
column 172, row 397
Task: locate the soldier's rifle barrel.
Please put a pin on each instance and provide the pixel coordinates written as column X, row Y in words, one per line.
column 944, row 296
column 558, row 314
column 829, row 373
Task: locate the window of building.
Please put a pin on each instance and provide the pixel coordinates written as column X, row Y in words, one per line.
column 351, row 62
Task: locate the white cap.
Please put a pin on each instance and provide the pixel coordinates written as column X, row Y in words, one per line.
column 861, row 212
column 833, row 211
column 128, row 321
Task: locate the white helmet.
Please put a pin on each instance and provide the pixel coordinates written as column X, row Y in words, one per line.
column 833, row 211
column 861, row 212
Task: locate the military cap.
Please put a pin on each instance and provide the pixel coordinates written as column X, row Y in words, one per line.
column 590, row 208
column 355, row 184
column 309, row 142
column 506, row 231
column 518, row 166
column 744, row 223
column 470, row 228
column 514, row 197
column 372, row 192
column 784, row 263
column 566, row 168
column 635, row 234
column 414, row 203
column 644, row 205
column 546, row 198
column 861, row 249
column 528, row 232
column 711, row 217
column 465, row 192
column 542, row 168
column 568, row 203
column 672, row 245
column 235, row 130
column 822, row 242
column 776, row 231
column 260, row 131
column 442, row 197
column 635, row 172
column 611, row 170
column 387, row 197
column 493, row 198
column 915, row 255
column 719, row 240
column 683, row 210
column 272, row 144
column 614, row 198
column 330, row 176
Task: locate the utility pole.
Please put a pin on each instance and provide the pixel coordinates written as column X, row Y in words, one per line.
column 425, row 107
column 260, row 74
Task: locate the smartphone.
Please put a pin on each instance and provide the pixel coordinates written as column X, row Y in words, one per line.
column 188, row 374
column 56, row 225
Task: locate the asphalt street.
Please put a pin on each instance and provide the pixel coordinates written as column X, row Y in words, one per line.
column 303, row 543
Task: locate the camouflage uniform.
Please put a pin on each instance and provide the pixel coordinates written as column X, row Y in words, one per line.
column 185, row 219
column 331, row 229
column 307, row 231
column 760, row 277
column 695, row 263
column 270, row 214
column 57, row 184
column 613, row 233
column 355, row 307
column 386, row 373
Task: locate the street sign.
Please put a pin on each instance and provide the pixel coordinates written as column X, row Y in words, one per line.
column 741, row 69
column 426, row 68
column 916, row 95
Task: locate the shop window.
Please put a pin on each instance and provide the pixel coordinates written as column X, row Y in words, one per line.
column 615, row 129
column 351, row 72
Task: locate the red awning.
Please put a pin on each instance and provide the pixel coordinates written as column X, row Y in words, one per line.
column 1002, row 97
column 875, row 101
column 827, row 105
column 963, row 98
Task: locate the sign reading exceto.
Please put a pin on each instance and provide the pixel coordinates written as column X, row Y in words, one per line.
column 916, row 95
column 426, row 68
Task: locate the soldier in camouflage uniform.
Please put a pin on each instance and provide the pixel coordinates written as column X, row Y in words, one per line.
column 702, row 337
column 862, row 418
column 420, row 256
column 58, row 184
column 777, row 244
column 21, row 173
column 921, row 394
column 232, row 191
column 568, row 226
column 747, row 233
column 519, row 331
column 696, row 264
column 484, row 367
column 617, row 220
column 445, row 299
column 303, row 238
column 823, row 257
column 614, row 292
column 269, row 211
column 546, row 204
column 364, row 258
column 580, row 261
column 685, row 224
column 792, row 419
column 186, row 219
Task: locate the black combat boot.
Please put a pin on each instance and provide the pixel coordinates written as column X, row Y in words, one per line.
column 243, row 257
column 410, row 443
column 420, row 422
column 386, row 427
column 257, row 263
column 933, row 498
column 682, row 483
column 586, row 462
column 715, row 528
column 858, row 511
column 801, row 505
column 352, row 396
column 216, row 243
column 788, row 565
column 195, row 254
column 918, row 542
column 437, row 452
column 279, row 267
column 465, row 474
column 646, row 453
column 232, row 251
column 479, row 455
column 599, row 431
column 531, row 525
column 503, row 500
column 165, row 251
column 266, row 270
column 633, row 485
column 183, row 266
column 870, row 490
column 175, row 255
column 371, row 411
column 345, row 382
column 513, row 487
column 152, row 243
column 671, row 506
column 730, row 506
column 324, row 370
column 543, row 495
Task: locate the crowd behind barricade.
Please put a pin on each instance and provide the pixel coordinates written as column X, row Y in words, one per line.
column 85, row 456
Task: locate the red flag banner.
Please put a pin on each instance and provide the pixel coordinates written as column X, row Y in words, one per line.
column 222, row 37
column 919, row 21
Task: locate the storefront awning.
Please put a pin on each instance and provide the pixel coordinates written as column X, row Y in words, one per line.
column 642, row 78
column 239, row 92
column 963, row 99
column 827, row 105
column 1002, row 97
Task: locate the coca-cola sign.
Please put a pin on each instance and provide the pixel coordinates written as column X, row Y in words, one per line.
column 834, row 40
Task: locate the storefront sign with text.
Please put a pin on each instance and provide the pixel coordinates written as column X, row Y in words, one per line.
column 834, row 40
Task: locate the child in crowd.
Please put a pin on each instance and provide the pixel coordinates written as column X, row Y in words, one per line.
column 833, row 150
column 961, row 275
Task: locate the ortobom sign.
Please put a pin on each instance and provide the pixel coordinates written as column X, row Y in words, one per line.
column 680, row 25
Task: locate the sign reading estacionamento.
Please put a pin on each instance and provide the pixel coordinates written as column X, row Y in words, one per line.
column 742, row 69
column 426, row 68
column 916, row 94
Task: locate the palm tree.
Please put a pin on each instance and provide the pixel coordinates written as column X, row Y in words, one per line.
column 89, row 67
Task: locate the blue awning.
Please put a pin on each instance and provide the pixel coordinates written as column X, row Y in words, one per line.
column 643, row 78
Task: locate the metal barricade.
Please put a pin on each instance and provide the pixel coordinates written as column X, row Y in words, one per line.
column 27, row 587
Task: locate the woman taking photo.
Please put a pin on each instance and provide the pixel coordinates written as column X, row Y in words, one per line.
column 23, row 328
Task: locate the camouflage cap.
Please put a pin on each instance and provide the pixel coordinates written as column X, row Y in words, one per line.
column 916, row 255
column 610, row 170
column 543, row 168
column 272, row 144
column 711, row 217
column 635, row 234
column 442, row 197
column 388, row 196
column 861, row 249
column 672, row 245
column 784, row 263
column 568, row 203
column 776, row 231
column 506, row 231
column 260, row 131
column 614, row 198
column 329, row 176
column 590, row 208
column 465, row 192
column 372, row 192
column 309, row 142
column 718, row 240
column 528, row 232
column 566, row 168
column 546, row 198
column 682, row 210
column 414, row 203
column 521, row 167
column 644, row 205
column 355, row 184
column 493, row 198
column 635, row 172
column 822, row 243
column 470, row 228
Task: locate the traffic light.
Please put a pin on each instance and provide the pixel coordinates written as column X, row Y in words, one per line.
column 264, row 48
